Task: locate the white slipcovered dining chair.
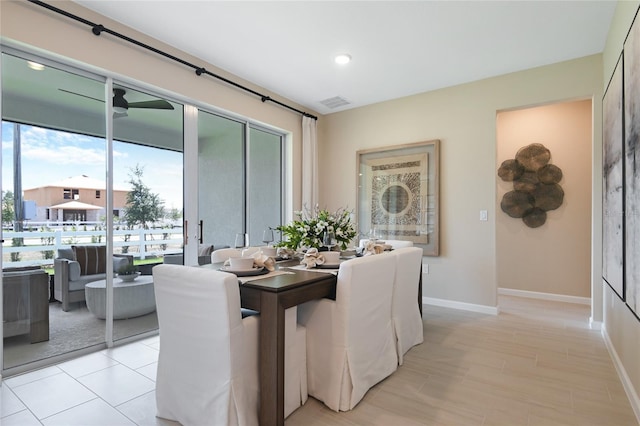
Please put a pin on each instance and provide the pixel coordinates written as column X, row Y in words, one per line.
column 405, row 312
column 223, row 254
column 350, row 341
column 208, row 360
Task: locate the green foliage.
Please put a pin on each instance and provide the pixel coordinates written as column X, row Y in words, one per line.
column 47, row 241
column 16, row 242
column 71, row 241
column 173, row 214
column 128, row 269
column 96, row 238
column 126, row 238
column 308, row 229
column 143, row 206
column 165, row 236
column 8, row 213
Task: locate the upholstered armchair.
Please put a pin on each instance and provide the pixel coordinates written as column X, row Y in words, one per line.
column 79, row 265
column 204, row 255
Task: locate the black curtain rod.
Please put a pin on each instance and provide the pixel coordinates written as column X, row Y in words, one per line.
column 98, row 29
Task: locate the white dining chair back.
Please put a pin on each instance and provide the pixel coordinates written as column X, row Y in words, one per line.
column 405, row 312
column 208, row 360
column 350, row 341
column 221, row 255
column 395, row 244
column 295, row 359
column 250, row 251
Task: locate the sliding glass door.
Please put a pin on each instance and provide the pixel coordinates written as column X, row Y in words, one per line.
column 53, row 176
column 147, row 200
column 221, row 179
column 265, row 182
column 90, row 201
column 239, row 180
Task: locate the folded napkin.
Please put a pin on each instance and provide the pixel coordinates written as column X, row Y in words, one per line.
column 312, row 258
column 259, row 260
column 285, row 253
column 372, row 247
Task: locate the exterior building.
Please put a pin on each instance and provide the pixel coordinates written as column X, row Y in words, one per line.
column 76, row 199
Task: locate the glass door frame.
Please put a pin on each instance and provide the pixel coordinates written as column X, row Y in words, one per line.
column 190, row 177
column 191, row 173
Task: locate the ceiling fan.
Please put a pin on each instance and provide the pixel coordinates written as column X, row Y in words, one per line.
column 121, row 105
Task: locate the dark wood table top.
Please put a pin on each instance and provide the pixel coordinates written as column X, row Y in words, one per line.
column 271, row 296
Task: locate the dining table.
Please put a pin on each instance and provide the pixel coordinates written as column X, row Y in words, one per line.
column 271, row 295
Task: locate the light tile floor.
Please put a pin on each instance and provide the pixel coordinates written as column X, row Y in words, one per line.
column 111, row 387
column 536, row 363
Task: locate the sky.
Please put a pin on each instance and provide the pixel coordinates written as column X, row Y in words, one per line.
column 49, row 156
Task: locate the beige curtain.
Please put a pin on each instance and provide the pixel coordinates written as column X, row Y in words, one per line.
column 309, row 162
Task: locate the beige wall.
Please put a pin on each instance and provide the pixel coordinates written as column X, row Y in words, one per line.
column 553, row 257
column 23, row 23
column 620, row 326
column 464, row 119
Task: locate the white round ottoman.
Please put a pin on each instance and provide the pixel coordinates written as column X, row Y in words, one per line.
column 130, row 299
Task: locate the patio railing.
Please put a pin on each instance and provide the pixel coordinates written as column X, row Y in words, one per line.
column 39, row 248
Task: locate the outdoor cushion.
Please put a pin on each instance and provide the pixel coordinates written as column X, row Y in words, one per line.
column 205, row 250
column 78, row 285
column 74, row 270
column 92, row 259
column 66, row 253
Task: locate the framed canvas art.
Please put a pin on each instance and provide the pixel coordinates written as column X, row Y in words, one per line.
column 613, row 179
column 631, row 78
column 398, row 194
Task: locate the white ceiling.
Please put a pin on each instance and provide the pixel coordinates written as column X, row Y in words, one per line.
column 398, row 48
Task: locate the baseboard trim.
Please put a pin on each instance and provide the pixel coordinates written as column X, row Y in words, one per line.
column 595, row 325
column 634, row 400
column 483, row 309
column 545, row 296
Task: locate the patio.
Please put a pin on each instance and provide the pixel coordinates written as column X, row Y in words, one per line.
column 70, row 331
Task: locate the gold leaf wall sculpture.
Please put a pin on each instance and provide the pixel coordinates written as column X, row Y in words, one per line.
column 536, row 187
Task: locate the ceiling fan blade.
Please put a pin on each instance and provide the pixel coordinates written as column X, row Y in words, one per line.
column 155, row 104
column 120, row 101
column 80, row 94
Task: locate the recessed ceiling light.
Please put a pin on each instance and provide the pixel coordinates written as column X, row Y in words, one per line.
column 342, row 59
column 35, row 66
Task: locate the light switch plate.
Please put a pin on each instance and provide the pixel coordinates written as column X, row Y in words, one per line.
column 483, row 215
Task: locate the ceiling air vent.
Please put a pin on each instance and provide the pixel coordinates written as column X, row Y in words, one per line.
column 335, row 102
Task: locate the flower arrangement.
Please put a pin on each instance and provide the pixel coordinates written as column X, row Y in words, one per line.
column 308, row 229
